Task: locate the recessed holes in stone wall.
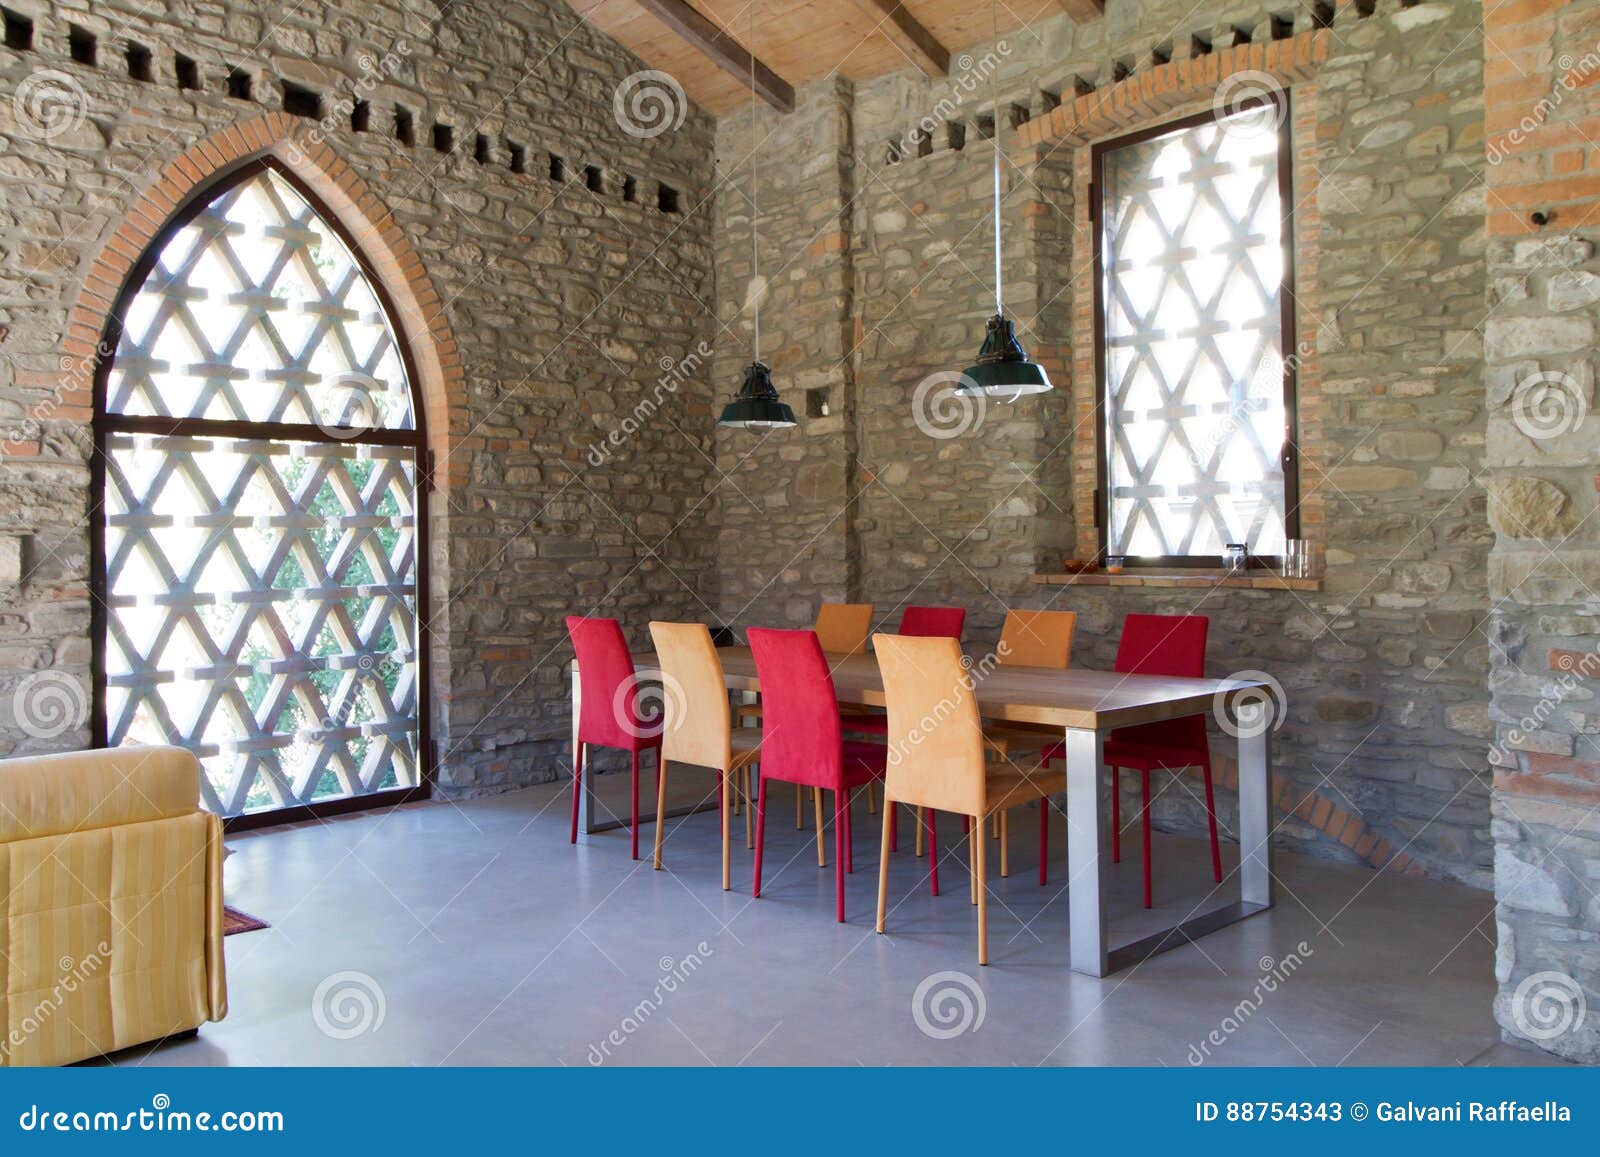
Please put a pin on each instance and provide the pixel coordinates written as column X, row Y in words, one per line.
column 405, row 126
column 817, row 403
column 1199, row 45
column 666, row 198
column 18, row 30
column 81, row 45
column 955, row 136
column 518, row 156
column 1322, row 14
column 558, row 168
column 593, row 179
column 1160, row 54
column 360, row 116
column 239, row 84
column 187, row 73
column 141, row 63
column 444, row 138
column 481, row 152
column 630, row 190
column 1281, row 26
column 300, row 101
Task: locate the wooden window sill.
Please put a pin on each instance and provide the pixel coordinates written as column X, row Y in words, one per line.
column 1196, row 579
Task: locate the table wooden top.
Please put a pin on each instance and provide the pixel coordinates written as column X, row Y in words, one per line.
column 1073, row 697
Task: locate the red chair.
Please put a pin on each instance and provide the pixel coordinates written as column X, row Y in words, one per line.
column 922, row 623
column 608, row 707
column 801, row 742
column 1159, row 645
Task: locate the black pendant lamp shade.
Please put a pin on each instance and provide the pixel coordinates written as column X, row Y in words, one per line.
column 1003, row 368
column 757, row 407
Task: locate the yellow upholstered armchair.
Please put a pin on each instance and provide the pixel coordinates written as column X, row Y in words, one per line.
column 111, row 886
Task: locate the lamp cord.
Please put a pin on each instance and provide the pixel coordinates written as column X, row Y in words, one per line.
column 755, row 186
column 994, row 95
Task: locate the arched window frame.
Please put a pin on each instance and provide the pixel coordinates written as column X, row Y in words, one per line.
column 106, row 424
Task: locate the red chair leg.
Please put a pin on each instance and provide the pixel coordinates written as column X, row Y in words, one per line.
column 1044, row 838
column 577, row 788
column 1144, row 815
column 1211, row 815
column 933, row 848
column 635, row 787
column 839, row 852
column 1116, row 815
column 761, row 832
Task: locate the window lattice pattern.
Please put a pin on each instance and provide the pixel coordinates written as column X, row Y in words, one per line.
column 262, row 594
column 1195, row 414
column 256, row 311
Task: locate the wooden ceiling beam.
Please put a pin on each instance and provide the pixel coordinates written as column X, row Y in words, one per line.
column 909, row 35
column 1082, row 10
column 723, row 50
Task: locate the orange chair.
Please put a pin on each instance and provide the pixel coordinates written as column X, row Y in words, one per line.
column 1029, row 639
column 936, row 755
column 698, row 726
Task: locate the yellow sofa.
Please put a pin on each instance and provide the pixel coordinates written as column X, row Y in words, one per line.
column 111, row 885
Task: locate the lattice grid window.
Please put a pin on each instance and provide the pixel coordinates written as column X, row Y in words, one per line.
column 260, row 512
column 1196, row 394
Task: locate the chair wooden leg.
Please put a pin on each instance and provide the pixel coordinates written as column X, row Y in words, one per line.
column 661, row 806
column 635, row 801
column 816, row 806
column 974, row 838
column 799, row 807
column 1144, row 814
column 883, row 860
column 849, row 833
column 727, row 817
column 761, row 833
column 577, row 786
column 893, row 812
column 933, row 848
column 1116, row 815
column 1211, row 816
column 983, row 895
column 872, row 800
column 1005, row 844
column 841, row 806
column 745, row 774
column 998, row 824
column 919, row 834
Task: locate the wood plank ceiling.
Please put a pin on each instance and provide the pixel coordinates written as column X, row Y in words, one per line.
column 702, row 43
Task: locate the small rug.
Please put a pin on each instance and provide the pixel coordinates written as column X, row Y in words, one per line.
column 234, row 921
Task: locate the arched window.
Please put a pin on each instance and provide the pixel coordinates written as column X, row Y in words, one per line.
column 259, row 550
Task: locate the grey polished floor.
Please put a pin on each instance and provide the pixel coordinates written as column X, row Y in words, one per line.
column 474, row 934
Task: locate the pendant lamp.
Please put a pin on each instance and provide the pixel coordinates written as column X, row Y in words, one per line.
column 757, row 406
column 1002, row 369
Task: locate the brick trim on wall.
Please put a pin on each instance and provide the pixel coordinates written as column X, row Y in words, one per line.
column 421, row 319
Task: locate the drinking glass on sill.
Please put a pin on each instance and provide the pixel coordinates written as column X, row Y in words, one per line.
column 1296, row 558
column 1234, row 557
column 1115, row 563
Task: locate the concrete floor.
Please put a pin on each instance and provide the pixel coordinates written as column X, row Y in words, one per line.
column 474, row 934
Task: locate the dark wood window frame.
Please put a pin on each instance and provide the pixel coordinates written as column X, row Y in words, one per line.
column 107, row 424
column 1288, row 341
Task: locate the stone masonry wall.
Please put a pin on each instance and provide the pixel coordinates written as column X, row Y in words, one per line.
column 1382, row 758
column 571, row 256
column 1542, row 114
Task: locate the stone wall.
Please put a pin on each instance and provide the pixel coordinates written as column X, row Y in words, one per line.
column 1541, row 72
column 1383, row 753
column 573, row 297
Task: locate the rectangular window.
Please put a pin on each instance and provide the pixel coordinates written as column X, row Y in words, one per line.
column 1195, row 321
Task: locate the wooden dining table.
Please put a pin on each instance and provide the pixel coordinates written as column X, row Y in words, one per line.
column 1086, row 706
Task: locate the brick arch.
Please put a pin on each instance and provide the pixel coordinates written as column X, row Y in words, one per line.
column 420, row 312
